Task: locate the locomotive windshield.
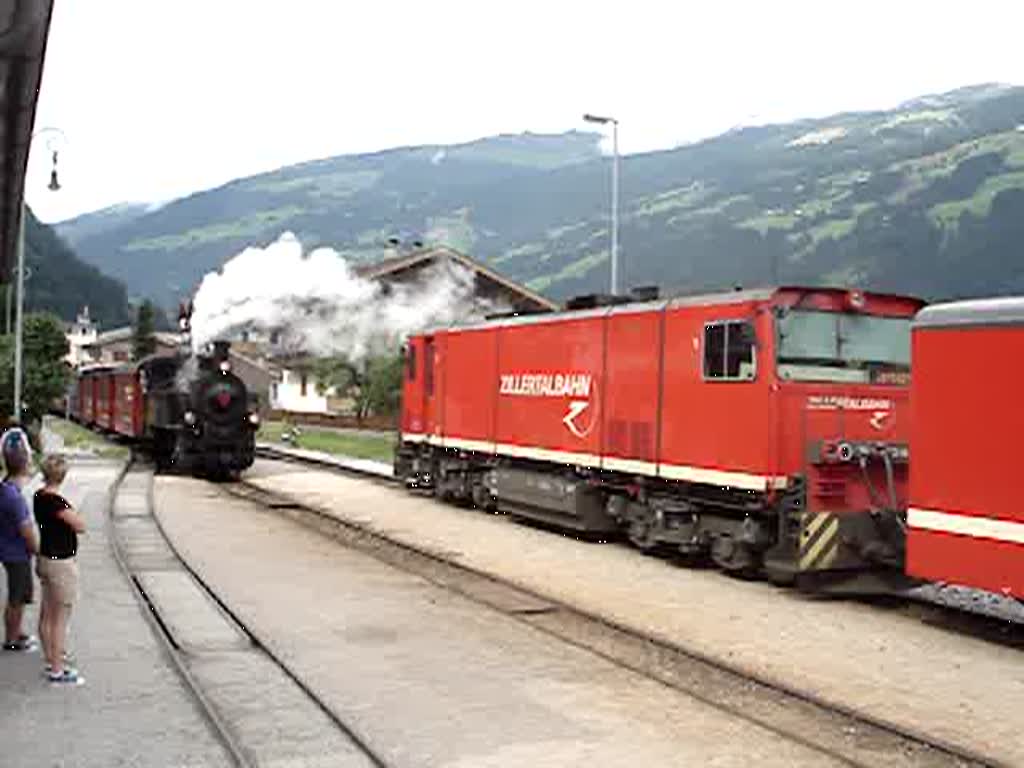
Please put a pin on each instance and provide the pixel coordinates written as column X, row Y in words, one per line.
column 843, row 346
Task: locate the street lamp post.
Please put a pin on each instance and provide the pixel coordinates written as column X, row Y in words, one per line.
column 20, row 304
column 615, row 193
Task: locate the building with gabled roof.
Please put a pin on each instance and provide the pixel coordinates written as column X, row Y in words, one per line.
column 491, row 285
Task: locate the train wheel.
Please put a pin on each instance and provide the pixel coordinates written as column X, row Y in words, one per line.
column 642, row 535
column 734, row 557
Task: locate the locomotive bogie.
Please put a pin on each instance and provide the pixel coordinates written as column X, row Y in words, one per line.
column 565, row 500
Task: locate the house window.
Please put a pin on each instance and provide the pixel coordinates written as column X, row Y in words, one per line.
column 729, row 351
column 303, row 384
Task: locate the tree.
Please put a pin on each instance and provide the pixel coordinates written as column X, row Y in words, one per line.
column 373, row 384
column 144, row 341
column 45, row 375
column 384, row 384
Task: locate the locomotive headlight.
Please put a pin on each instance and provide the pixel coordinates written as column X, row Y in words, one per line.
column 254, row 419
column 190, row 418
column 225, row 366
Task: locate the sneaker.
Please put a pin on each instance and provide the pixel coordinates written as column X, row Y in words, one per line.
column 69, row 663
column 24, row 644
column 66, row 677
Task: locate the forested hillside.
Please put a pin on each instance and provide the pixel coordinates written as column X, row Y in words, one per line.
column 927, row 198
column 59, row 282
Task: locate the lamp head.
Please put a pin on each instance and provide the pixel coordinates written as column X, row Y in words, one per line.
column 54, row 184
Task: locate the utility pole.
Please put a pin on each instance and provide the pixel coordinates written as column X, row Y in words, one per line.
column 19, row 307
column 615, row 194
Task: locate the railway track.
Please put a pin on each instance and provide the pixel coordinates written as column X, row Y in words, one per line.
column 951, row 608
column 844, row 734
column 225, row 666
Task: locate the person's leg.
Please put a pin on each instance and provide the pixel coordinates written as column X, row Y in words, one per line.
column 19, row 593
column 44, row 618
column 58, row 626
column 65, row 582
column 12, row 622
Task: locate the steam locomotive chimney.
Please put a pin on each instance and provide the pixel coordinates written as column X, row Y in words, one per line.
column 220, row 351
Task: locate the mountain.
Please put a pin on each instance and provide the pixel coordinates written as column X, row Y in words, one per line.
column 97, row 222
column 59, row 282
column 927, row 198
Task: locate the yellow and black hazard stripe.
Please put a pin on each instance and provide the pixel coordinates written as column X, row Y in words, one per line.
column 819, row 541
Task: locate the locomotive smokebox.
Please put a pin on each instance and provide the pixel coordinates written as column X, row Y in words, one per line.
column 219, row 353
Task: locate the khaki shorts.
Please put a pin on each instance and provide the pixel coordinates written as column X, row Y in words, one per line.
column 59, row 579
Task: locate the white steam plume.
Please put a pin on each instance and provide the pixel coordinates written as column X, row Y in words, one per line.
column 319, row 306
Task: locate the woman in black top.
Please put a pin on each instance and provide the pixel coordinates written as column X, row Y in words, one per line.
column 59, row 526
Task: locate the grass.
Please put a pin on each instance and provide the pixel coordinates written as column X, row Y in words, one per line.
column 342, row 184
column 921, row 116
column 681, row 197
column 922, row 171
column 577, row 268
column 947, row 215
column 557, row 232
column 837, row 229
column 770, row 220
column 252, row 225
column 353, row 444
column 530, row 249
column 79, row 438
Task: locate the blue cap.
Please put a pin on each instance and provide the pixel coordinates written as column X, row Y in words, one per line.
column 16, row 450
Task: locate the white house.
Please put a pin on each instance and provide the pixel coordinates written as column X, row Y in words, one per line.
column 81, row 335
column 296, row 391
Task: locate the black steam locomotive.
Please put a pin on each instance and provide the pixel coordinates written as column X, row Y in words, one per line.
column 200, row 415
column 190, row 411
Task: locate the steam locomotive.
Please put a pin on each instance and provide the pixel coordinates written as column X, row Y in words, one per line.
column 189, row 411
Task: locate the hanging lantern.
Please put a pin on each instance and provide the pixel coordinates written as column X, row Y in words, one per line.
column 54, row 184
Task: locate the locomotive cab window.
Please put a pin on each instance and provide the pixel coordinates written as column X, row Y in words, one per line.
column 729, row 351
column 410, row 363
column 428, row 367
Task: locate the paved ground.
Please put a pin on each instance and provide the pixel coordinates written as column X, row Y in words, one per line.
column 427, row 678
column 132, row 711
column 964, row 690
column 272, row 721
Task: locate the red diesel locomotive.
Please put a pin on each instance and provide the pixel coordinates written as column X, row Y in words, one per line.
column 765, row 428
column 965, row 519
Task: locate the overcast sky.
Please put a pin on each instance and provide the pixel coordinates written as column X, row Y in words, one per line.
column 159, row 98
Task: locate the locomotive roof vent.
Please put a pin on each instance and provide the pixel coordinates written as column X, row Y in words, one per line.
column 592, row 300
column 520, row 309
column 645, row 293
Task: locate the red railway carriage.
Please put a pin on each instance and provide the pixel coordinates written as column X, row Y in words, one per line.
column 766, row 427
column 92, row 384
column 966, row 520
column 128, row 402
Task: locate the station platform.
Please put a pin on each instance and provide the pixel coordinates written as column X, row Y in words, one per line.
column 133, row 708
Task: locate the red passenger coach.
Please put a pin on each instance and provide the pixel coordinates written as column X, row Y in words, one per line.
column 93, row 395
column 766, row 428
column 966, row 518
